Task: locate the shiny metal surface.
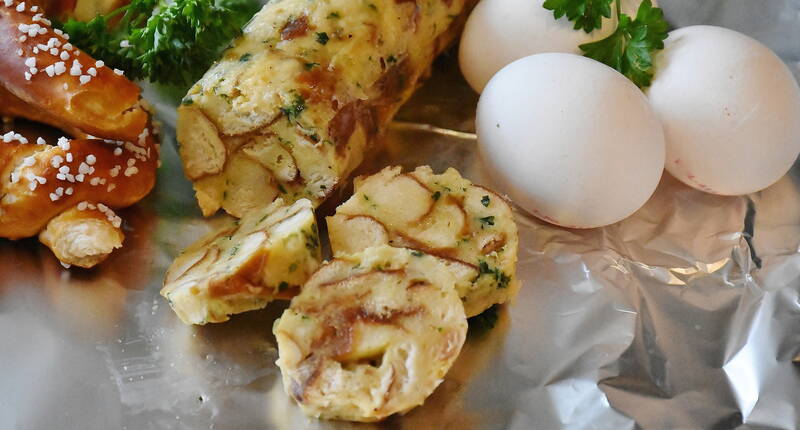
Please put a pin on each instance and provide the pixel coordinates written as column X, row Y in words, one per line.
column 686, row 315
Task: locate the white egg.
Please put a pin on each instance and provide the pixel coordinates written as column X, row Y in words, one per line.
column 730, row 109
column 501, row 31
column 571, row 140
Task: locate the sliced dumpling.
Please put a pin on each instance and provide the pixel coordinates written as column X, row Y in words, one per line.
column 245, row 264
column 371, row 334
column 469, row 227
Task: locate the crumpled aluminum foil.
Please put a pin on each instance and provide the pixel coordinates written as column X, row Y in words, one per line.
column 685, row 315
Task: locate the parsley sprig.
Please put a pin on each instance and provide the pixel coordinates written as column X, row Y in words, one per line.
column 586, row 14
column 165, row 42
column 630, row 48
column 484, row 321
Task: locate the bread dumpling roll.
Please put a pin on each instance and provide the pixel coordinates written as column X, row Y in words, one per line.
column 292, row 106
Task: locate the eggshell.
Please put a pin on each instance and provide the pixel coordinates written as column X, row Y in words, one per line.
column 730, row 109
column 501, row 31
column 571, row 140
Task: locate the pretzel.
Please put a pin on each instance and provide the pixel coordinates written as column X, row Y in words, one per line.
column 112, row 162
column 84, row 235
column 59, row 81
column 14, row 107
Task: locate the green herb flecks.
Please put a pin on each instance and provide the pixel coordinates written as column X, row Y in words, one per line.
column 322, row 38
column 485, row 201
column 293, row 111
column 501, row 279
column 312, row 239
column 486, row 221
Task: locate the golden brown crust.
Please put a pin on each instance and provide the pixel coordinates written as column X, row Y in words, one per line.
column 12, row 106
column 70, row 87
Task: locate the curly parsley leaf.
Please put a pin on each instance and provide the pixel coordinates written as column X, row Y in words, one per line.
column 484, row 321
column 631, row 47
column 586, row 14
column 293, row 111
column 486, row 221
column 501, row 279
column 165, row 42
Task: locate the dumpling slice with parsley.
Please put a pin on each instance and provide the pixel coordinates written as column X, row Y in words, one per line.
column 470, row 228
column 245, row 264
column 370, row 335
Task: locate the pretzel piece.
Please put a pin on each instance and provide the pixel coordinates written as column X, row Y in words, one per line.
column 112, row 160
column 60, row 82
column 39, row 182
column 84, row 235
column 12, row 106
